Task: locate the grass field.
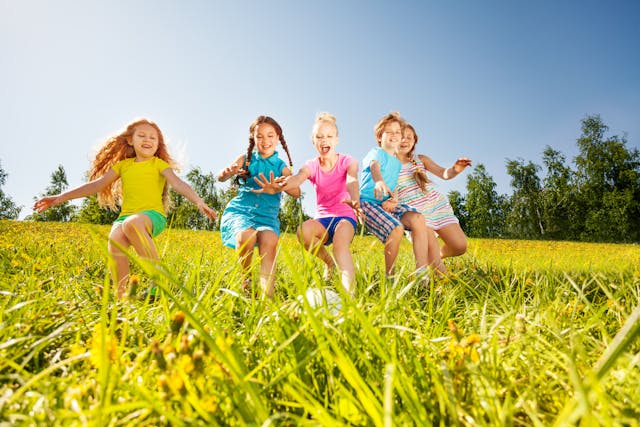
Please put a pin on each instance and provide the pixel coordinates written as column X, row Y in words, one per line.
column 521, row 333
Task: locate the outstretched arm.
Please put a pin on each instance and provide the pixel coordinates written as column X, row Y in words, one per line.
column 448, row 173
column 234, row 169
column 290, row 182
column 353, row 188
column 293, row 192
column 185, row 189
column 84, row 190
column 381, row 188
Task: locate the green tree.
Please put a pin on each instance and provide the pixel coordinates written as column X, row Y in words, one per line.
column 524, row 219
column 608, row 184
column 185, row 214
column 557, row 198
column 486, row 209
column 8, row 209
column 91, row 212
column 291, row 214
column 457, row 202
column 64, row 212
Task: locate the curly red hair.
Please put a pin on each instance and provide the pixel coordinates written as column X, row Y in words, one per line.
column 119, row 147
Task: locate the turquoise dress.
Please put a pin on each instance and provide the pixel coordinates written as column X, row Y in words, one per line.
column 253, row 210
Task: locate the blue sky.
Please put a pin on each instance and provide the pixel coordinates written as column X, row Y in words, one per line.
column 489, row 80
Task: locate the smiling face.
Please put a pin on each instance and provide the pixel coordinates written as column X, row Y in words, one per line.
column 405, row 148
column 266, row 138
column 391, row 137
column 325, row 138
column 144, row 141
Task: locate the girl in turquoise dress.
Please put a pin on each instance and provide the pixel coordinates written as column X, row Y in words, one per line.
column 251, row 218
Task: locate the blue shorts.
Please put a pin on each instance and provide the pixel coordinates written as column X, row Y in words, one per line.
column 380, row 222
column 331, row 222
column 158, row 221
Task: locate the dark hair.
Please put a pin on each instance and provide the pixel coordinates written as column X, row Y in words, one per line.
column 252, row 143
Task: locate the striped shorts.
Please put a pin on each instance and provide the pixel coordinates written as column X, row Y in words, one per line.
column 380, row 222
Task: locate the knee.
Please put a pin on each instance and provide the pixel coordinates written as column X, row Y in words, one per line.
column 459, row 248
column 454, row 247
column 133, row 228
column 396, row 233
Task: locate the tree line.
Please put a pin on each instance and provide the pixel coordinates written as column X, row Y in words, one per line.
column 595, row 198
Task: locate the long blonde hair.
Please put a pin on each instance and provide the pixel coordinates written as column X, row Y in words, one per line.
column 117, row 148
column 418, row 174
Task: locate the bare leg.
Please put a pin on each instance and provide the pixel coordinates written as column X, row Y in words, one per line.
column 313, row 236
column 434, row 259
column 391, row 248
column 341, row 240
column 245, row 242
column 419, row 238
column 267, row 243
column 120, row 266
column 138, row 230
column 455, row 241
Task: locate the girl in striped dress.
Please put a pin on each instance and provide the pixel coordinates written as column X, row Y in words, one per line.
column 415, row 189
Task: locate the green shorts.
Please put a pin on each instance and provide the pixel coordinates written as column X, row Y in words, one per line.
column 158, row 221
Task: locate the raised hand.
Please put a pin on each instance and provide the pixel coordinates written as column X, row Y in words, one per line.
column 461, row 164
column 268, row 186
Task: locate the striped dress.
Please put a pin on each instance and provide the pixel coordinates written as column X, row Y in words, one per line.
column 436, row 209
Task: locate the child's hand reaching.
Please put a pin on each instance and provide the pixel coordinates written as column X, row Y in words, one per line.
column 207, row 211
column 45, row 203
column 380, row 190
column 232, row 170
column 355, row 205
column 461, row 164
column 268, row 186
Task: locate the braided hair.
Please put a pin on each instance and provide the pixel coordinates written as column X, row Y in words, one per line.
column 418, row 174
column 252, row 143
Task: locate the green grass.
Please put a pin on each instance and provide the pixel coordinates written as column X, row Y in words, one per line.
column 522, row 333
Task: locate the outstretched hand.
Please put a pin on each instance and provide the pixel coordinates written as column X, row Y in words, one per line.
column 45, row 203
column 461, row 164
column 233, row 170
column 272, row 185
column 355, row 205
column 207, row 211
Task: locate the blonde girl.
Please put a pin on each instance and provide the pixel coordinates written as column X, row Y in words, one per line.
column 251, row 218
column 415, row 189
column 133, row 170
column 335, row 179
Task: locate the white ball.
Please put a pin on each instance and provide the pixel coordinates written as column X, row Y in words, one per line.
column 316, row 298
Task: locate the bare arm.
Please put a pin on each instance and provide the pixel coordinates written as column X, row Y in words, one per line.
column 294, row 181
column 185, row 189
column 84, row 190
column 294, row 192
column 381, row 188
column 448, row 173
column 234, row 169
column 353, row 187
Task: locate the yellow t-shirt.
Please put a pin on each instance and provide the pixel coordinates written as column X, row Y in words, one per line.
column 142, row 185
